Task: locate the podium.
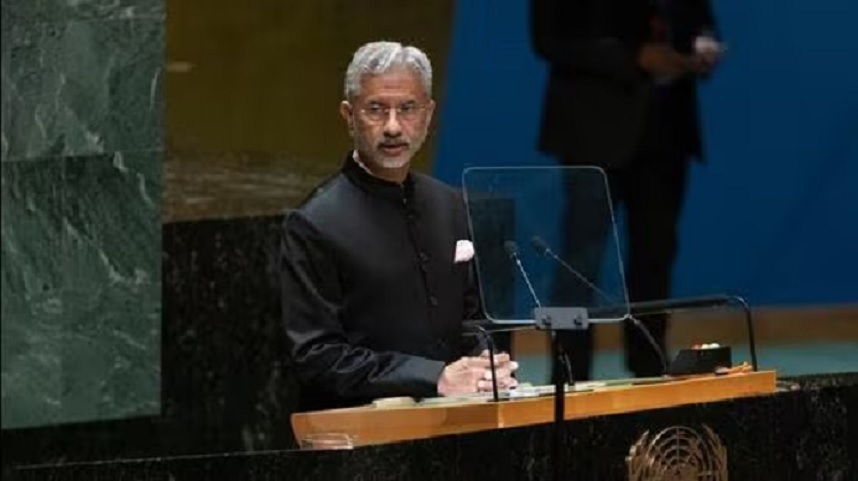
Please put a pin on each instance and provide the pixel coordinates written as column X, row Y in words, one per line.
column 804, row 431
column 368, row 425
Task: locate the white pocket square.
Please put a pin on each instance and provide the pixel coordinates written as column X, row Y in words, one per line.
column 464, row 251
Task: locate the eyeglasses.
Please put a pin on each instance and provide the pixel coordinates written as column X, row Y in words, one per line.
column 407, row 112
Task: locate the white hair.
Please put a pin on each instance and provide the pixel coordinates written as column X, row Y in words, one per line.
column 377, row 58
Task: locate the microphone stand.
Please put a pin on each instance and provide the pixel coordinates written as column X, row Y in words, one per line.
column 549, row 317
column 668, row 306
column 555, row 320
column 558, row 433
column 664, row 306
column 749, row 326
column 490, row 345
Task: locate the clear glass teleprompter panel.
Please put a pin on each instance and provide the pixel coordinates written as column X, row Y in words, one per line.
column 558, row 223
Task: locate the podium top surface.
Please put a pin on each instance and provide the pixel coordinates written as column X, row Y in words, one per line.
column 376, row 425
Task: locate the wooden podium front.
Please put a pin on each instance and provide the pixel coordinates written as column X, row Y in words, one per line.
column 378, row 425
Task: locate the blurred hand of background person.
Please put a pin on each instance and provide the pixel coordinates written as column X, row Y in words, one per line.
column 661, row 61
column 707, row 53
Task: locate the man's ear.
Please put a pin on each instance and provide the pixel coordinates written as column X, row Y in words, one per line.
column 347, row 113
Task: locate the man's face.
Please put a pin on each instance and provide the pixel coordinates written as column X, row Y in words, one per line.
column 389, row 118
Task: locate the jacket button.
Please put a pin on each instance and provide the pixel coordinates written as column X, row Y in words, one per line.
column 433, row 301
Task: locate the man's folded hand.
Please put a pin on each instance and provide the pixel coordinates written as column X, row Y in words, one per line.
column 505, row 369
column 471, row 375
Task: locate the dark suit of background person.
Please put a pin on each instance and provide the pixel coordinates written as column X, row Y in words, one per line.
column 601, row 107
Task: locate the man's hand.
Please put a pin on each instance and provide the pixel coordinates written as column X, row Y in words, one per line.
column 462, row 376
column 470, row 375
column 662, row 61
column 505, row 369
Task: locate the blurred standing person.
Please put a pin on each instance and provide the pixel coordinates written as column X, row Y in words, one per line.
column 622, row 95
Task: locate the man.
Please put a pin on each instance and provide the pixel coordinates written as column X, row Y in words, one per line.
column 374, row 290
column 622, row 95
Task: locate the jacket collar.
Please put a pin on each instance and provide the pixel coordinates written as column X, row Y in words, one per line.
column 360, row 176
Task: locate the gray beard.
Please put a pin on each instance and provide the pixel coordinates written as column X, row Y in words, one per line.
column 390, row 163
column 395, row 163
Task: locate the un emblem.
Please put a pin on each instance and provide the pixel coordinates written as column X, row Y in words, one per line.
column 678, row 453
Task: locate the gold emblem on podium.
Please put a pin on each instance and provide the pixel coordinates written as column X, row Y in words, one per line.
column 678, row 453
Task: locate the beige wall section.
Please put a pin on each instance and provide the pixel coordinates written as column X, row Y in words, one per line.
column 253, row 89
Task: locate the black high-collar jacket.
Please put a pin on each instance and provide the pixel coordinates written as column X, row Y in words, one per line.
column 373, row 302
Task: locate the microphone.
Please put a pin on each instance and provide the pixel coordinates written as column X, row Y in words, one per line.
column 541, row 247
column 512, row 251
column 561, row 360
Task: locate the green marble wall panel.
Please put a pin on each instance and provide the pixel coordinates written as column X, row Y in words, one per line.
column 111, row 350
column 32, row 370
column 81, row 145
column 82, row 87
column 32, row 291
column 112, row 220
column 40, row 11
column 81, row 288
column 110, row 353
column 32, row 221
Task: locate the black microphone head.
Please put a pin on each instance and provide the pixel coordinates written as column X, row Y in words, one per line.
column 511, row 249
column 539, row 245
